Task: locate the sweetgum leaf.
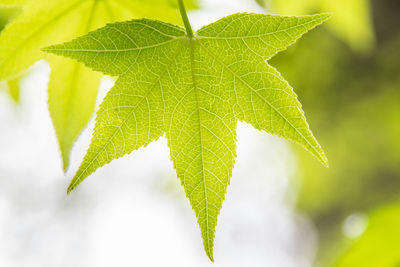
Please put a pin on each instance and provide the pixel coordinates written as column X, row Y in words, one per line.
column 72, row 88
column 193, row 90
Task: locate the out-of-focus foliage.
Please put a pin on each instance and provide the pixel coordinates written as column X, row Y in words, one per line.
column 15, row 2
column 14, row 88
column 6, row 15
column 351, row 20
column 379, row 245
column 354, row 101
column 360, row 100
column 72, row 89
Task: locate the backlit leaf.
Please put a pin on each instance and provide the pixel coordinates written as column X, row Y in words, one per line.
column 194, row 91
column 72, row 87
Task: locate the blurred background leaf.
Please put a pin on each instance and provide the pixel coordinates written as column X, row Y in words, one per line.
column 6, row 15
column 379, row 246
column 14, row 88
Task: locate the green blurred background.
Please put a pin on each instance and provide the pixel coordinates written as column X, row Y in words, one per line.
column 347, row 76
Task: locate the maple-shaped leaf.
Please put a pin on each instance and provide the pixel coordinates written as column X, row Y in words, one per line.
column 72, row 88
column 193, row 89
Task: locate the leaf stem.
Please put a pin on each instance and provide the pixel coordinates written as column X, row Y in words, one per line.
column 185, row 19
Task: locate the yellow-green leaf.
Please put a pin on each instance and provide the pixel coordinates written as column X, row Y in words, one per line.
column 193, row 90
column 379, row 245
column 14, row 88
column 72, row 88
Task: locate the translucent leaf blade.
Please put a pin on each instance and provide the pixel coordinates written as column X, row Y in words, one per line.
column 14, row 88
column 43, row 23
column 129, row 118
column 194, row 90
column 114, row 48
column 259, row 34
column 260, row 95
column 132, row 114
column 72, row 94
column 201, row 133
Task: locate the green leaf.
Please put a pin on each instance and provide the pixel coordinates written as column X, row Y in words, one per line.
column 7, row 13
column 378, row 246
column 14, row 2
column 351, row 20
column 72, row 87
column 194, row 91
column 14, row 88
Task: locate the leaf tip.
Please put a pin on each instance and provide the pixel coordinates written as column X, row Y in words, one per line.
column 324, row 16
column 325, row 162
column 321, row 157
column 46, row 49
column 209, row 248
column 65, row 159
column 319, row 153
column 52, row 49
column 210, row 254
column 65, row 167
column 70, row 188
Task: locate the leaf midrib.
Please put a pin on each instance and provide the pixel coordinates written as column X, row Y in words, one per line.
column 78, row 179
column 50, row 49
column 73, row 91
column 191, row 44
column 253, row 36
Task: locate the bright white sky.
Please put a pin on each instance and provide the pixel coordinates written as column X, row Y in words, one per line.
column 133, row 212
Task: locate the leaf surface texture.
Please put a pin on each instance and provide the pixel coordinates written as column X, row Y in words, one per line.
column 194, row 91
column 72, row 88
